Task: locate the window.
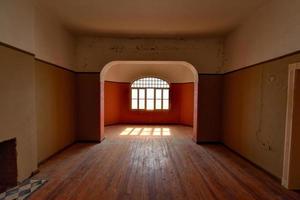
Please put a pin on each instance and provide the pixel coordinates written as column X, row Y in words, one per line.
column 150, row 94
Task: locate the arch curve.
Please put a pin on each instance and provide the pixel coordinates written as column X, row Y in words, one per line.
column 187, row 65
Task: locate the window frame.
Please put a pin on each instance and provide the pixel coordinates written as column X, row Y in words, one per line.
column 154, row 99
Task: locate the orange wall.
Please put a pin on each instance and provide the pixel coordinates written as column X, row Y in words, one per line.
column 186, row 103
column 117, row 106
column 112, row 103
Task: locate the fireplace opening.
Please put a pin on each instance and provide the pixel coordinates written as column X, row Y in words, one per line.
column 8, row 164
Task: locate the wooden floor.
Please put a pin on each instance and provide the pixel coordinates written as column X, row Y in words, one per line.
column 154, row 162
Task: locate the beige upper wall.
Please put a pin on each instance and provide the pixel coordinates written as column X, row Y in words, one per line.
column 17, row 107
column 53, row 43
column 27, row 27
column 272, row 31
column 93, row 53
column 17, row 23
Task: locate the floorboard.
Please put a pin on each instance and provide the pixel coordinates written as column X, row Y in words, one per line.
column 154, row 162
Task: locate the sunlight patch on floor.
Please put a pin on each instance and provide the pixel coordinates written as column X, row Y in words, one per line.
column 131, row 131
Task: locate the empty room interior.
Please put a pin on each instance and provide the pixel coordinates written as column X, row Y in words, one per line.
column 185, row 99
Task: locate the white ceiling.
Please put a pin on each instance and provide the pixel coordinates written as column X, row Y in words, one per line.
column 161, row 18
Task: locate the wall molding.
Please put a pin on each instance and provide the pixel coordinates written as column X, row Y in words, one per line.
column 16, row 48
column 240, row 69
column 200, row 73
column 34, row 56
column 263, row 62
column 54, row 65
column 210, row 74
column 87, row 72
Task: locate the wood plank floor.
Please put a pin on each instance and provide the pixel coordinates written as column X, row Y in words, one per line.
column 154, row 162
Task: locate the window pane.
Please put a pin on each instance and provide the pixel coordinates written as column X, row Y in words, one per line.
column 134, row 93
column 134, row 104
column 166, row 94
column 158, row 94
column 150, row 82
column 150, row 93
column 150, row 104
column 141, row 93
column 158, row 104
column 165, row 104
column 141, row 104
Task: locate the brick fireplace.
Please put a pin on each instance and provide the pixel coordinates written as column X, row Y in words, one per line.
column 8, row 164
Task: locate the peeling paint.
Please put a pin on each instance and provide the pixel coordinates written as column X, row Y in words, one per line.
column 95, row 52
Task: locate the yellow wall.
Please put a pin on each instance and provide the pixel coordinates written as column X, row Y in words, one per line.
column 17, row 106
column 254, row 109
column 37, row 107
column 55, row 106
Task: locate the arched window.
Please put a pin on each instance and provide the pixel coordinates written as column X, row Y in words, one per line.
column 150, row 94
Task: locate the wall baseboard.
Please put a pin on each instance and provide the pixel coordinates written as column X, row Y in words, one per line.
column 56, row 153
column 277, row 179
column 35, row 172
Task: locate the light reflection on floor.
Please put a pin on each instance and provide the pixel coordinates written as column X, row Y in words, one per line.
column 132, row 131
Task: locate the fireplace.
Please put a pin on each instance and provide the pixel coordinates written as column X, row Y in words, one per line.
column 8, row 164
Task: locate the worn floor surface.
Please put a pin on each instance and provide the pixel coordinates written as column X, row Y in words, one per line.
column 154, row 162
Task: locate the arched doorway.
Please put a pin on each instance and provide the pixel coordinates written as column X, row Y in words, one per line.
column 184, row 64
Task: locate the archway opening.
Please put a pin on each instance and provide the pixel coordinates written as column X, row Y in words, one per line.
column 117, row 78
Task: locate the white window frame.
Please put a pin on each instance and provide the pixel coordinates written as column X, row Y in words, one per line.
column 155, row 87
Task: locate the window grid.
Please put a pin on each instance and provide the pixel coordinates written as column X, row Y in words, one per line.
column 150, row 83
column 150, row 94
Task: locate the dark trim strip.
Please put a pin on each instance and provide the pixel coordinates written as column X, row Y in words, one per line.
column 263, row 62
column 32, row 54
column 117, row 82
column 15, row 48
column 209, row 74
column 87, row 73
column 183, row 83
column 49, row 63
